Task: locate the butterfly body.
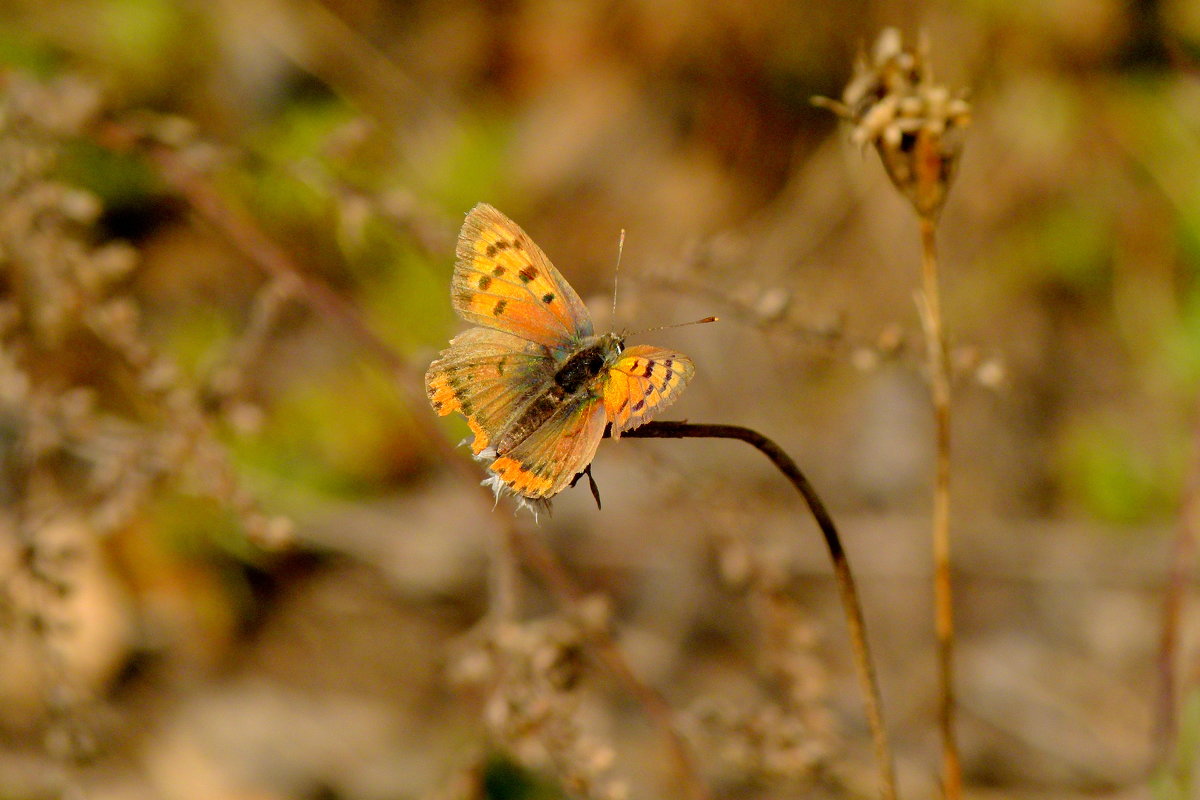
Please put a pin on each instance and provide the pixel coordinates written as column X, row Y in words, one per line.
column 579, row 378
column 536, row 384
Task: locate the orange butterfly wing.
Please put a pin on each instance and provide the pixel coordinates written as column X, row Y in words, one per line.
column 544, row 463
column 503, row 280
column 644, row 381
column 487, row 376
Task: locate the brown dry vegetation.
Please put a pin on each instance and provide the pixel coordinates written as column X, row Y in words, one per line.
column 240, row 557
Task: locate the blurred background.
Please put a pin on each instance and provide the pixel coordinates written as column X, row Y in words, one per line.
column 237, row 557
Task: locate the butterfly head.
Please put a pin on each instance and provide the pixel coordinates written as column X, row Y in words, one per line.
column 611, row 344
column 594, row 356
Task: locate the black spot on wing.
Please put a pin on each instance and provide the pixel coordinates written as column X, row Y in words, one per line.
column 498, row 271
column 499, row 309
column 548, row 298
column 639, row 405
column 484, row 282
column 528, row 274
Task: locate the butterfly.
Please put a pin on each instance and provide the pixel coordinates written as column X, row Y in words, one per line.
column 534, row 381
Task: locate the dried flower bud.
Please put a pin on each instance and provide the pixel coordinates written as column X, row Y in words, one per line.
column 914, row 124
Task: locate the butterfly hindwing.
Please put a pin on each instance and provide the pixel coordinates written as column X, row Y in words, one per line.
column 503, row 280
column 544, row 463
column 644, row 381
column 486, row 375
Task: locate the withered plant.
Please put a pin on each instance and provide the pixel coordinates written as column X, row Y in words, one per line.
column 916, row 126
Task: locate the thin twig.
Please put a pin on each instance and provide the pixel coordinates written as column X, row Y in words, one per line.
column 943, row 592
column 864, row 666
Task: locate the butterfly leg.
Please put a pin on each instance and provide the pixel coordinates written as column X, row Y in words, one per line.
column 591, row 484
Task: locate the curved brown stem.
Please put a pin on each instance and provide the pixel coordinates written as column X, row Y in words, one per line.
column 868, row 682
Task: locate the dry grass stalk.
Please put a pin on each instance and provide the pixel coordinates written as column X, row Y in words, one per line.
column 916, row 126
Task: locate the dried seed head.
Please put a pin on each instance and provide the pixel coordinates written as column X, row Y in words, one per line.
column 913, row 123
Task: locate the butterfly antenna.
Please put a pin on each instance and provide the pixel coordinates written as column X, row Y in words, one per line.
column 617, row 275
column 678, row 325
column 616, row 278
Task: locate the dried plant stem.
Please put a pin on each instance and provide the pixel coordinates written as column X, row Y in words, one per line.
column 943, row 593
column 1183, row 564
column 868, row 682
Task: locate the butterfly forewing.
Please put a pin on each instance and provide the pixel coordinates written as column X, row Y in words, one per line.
column 644, row 381
column 487, row 375
column 503, row 280
column 545, row 462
